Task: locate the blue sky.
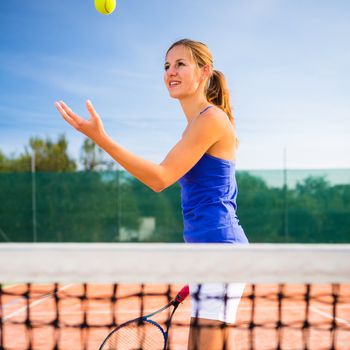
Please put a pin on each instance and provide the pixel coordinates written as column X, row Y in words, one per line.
column 286, row 63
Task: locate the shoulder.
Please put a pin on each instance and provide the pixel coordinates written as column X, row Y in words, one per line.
column 214, row 118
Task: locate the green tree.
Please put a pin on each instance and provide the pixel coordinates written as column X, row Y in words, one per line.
column 49, row 155
column 92, row 157
column 13, row 164
column 307, row 209
column 3, row 161
column 259, row 209
column 165, row 207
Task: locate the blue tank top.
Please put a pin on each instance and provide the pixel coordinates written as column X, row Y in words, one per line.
column 208, row 201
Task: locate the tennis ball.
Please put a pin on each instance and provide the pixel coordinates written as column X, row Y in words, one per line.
column 105, row 6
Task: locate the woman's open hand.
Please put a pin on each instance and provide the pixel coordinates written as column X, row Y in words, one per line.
column 92, row 128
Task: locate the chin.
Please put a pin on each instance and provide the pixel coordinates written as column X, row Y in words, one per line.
column 177, row 94
column 173, row 95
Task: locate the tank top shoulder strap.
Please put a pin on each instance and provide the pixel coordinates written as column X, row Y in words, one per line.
column 205, row 109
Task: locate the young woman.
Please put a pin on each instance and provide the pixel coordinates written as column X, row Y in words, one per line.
column 203, row 162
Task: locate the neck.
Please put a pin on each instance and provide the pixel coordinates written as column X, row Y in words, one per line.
column 192, row 106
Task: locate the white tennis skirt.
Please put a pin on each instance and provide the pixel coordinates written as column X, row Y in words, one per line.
column 208, row 300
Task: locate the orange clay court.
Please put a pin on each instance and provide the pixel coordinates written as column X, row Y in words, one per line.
column 98, row 310
column 296, row 297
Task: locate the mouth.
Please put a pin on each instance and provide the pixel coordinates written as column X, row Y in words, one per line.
column 173, row 84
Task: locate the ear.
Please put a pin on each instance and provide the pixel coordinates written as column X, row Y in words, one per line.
column 206, row 72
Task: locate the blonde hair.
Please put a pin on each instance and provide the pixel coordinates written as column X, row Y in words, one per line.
column 216, row 92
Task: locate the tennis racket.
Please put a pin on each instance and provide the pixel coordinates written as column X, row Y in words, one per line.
column 142, row 333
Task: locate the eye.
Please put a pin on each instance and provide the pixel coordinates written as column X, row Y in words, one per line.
column 166, row 67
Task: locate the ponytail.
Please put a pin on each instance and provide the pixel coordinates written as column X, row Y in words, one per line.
column 218, row 93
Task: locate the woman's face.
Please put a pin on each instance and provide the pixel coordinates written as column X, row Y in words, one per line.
column 182, row 77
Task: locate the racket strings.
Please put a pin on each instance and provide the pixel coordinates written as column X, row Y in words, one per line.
column 136, row 336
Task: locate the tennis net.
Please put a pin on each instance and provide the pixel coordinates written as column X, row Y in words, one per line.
column 70, row 296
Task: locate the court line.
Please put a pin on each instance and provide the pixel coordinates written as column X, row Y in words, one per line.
column 34, row 303
column 10, row 286
column 328, row 315
column 47, row 296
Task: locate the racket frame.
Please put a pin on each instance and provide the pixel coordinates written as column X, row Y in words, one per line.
column 180, row 297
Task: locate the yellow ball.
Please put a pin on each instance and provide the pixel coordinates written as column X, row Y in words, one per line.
column 105, row 6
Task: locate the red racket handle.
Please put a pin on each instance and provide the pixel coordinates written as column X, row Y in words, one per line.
column 183, row 294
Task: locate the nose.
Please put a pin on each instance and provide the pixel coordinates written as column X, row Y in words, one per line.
column 171, row 71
